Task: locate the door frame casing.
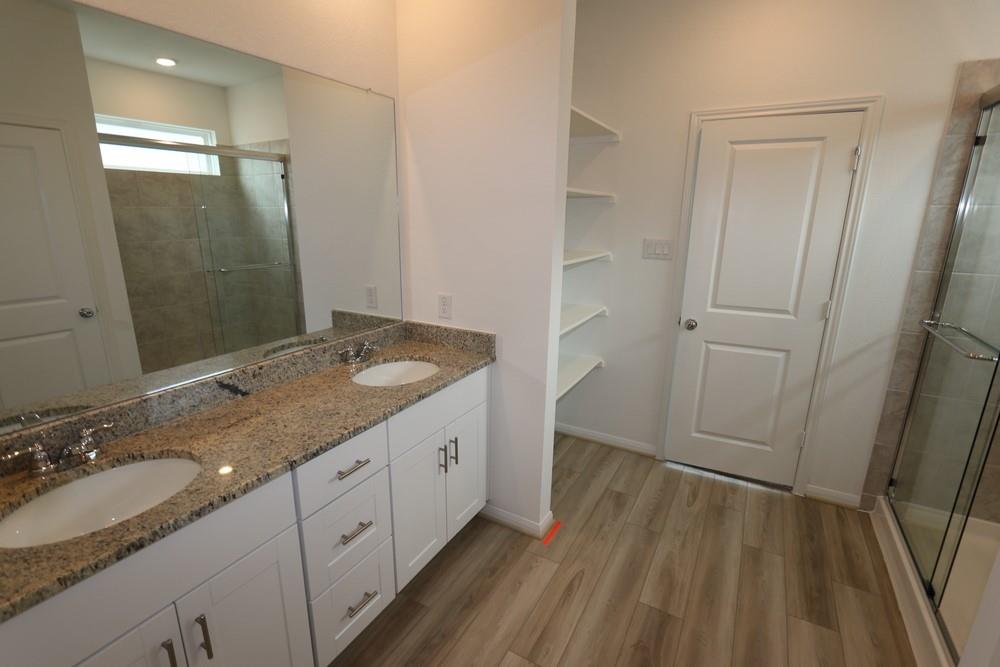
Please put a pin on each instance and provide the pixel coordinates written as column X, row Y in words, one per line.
column 871, row 107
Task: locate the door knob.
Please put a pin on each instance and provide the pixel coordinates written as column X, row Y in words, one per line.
column 690, row 324
column 86, row 313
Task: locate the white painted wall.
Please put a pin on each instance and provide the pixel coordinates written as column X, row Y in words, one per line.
column 346, row 40
column 645, row 69
column 484, row 118
column 343, row 188
column 53, row 92
column 118, row 90
column 257, row 111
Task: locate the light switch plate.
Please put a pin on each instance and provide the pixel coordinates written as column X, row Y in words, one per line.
column 444, row 306
column 657, row 249
column 371, row 296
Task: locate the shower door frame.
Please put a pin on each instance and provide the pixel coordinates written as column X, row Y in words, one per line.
column 987, row 107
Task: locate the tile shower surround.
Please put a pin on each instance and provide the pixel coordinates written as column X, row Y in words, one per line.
column 947, row 393
column 171, row 228
column 144, row 412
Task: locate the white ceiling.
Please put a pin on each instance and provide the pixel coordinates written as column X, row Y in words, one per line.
column 126, row 42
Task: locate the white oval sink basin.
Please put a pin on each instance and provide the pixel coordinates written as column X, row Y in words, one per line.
column 95, row 502
column 395, row 373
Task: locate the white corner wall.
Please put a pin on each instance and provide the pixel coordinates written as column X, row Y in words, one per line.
column 484, row 112
column 645, row 69
column 346, row 40
column 257, row 111
column 128, row 92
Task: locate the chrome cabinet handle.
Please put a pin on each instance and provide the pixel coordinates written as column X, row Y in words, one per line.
column 358, row 465
column 690, row 324
column 365, row 601
column 207, row 644
column 86, row 313
column 454, row 441
column 362, row 527
column 168, row 646
column 444, row 466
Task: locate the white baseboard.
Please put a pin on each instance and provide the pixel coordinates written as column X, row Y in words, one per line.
column 536, row 529
column 606, row 439
column 929, row 646
column 852, row 500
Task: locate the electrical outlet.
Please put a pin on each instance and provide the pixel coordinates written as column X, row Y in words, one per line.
column 657, row 249
column 371, row 296
column 444, row 306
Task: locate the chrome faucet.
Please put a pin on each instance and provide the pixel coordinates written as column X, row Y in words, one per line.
column 361, row 353
column 84, row 451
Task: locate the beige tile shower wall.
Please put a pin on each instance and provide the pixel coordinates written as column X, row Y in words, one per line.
column 974, row 78
column 157, row 230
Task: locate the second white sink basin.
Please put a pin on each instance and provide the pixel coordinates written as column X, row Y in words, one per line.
column 95, row 502
column 395, row 373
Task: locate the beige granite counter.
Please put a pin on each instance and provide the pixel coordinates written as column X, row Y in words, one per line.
column 262, row 436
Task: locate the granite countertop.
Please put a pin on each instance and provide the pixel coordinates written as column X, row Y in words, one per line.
column 262, row 436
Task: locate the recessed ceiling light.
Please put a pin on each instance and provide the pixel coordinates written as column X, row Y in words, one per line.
column 166, row 62
column 225, row 470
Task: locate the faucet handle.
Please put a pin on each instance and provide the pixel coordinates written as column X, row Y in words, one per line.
column 87, row 432
column 40, row 462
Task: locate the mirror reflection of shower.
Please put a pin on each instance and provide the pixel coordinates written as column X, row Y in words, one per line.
column 206, row 246
column 945, row 487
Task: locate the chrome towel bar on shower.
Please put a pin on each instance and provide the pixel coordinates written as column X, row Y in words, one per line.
column 933, row 327
column 251, row 267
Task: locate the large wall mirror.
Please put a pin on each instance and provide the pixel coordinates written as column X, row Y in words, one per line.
column 173, row 209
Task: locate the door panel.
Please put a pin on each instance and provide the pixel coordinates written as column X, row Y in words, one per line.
column 419, row 506
column 467, row 459
column 46, row 348
column 254, row 611
column 767, row 219
column 149, row 645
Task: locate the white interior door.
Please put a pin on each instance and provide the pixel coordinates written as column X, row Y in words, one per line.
column 767, row 218
column 46, row 347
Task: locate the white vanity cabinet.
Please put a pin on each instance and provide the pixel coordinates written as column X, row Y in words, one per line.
column 347, row 539
column 155, row 643
column 438, row 471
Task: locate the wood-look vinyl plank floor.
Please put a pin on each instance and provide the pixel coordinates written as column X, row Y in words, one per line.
column 655, row 565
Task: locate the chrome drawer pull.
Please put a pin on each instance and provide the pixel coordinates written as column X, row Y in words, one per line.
column 362, row 527
column 454, row 441
column 358, row 465
column 168, row 646
column 444, row 466
column 365, row 601
column 207, row 644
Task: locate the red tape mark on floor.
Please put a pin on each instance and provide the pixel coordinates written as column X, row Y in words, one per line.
column 552, row 532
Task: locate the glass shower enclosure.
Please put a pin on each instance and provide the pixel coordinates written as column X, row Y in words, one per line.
column 952, row 415
column 207, row 248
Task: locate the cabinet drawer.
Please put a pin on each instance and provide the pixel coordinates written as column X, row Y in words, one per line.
column 339, row 470
column 343, row 611
column 420, row 421
column 339, row 536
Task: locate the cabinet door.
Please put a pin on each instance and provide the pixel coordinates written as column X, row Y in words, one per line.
column 466, row 438
column 155, row 643
column 418, row 506
column 252, row 613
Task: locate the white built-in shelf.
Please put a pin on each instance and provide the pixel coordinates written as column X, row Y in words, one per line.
column 574, row 315
column 584, row 128
column 574, row 257
column 580, row 193
column 572, row 369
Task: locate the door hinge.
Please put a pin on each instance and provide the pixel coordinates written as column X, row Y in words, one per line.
column 857, row 158
column 802, row 440
column 827, row 310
